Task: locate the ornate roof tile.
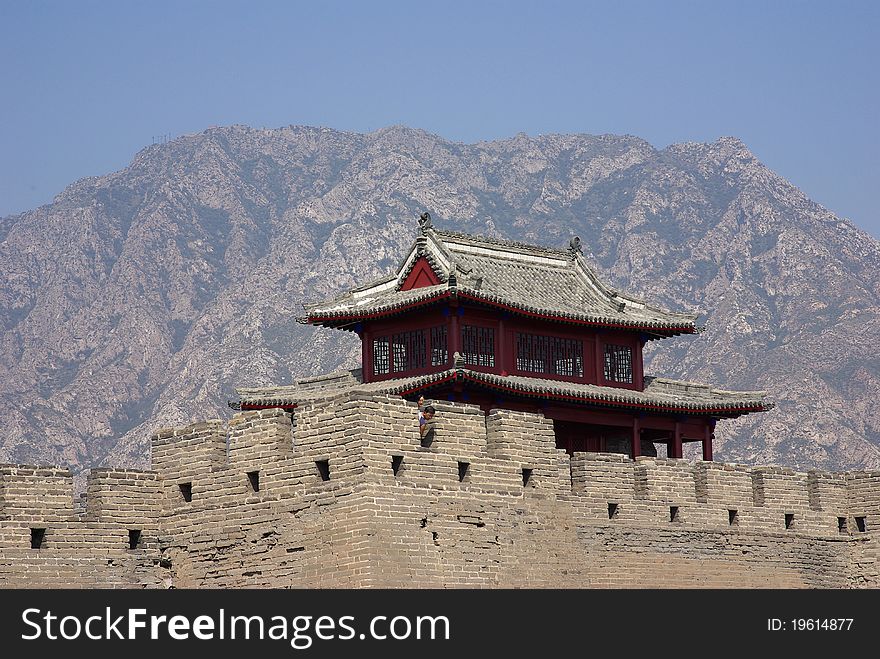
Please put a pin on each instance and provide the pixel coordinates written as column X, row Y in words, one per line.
column 661, row 395
column 537, row 281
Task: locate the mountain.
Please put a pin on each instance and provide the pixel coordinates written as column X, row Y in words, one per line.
column 143, row 298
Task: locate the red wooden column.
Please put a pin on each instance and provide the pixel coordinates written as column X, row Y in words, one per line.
column 676, row 442
column 707, row 444
column 600, row 363
column 367, row 355
column 501, row 350
column 454, row 334
column 638, row 366
column 637, row 438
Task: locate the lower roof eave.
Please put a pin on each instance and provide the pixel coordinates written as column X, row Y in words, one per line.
column 730, row 411
column 532, row 389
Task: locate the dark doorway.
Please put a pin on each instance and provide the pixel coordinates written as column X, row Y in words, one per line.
column 574, row 436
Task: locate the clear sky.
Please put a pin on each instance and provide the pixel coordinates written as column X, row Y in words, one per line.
column 85, row 85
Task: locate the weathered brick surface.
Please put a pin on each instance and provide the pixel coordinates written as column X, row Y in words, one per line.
column 80, row 548
column 263, row 514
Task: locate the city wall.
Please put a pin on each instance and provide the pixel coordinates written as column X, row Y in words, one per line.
column 345, row 493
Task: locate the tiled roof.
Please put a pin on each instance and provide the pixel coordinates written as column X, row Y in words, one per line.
column 392, row 301
column 660, row 395
column 525, row 279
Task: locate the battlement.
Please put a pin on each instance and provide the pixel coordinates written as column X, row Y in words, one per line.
column 48, row 539
column 713, row 495
column 345, row 492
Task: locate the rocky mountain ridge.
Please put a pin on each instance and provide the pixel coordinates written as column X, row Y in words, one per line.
column 143, row 298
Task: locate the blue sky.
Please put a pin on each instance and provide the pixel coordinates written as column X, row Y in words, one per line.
column 85, row 85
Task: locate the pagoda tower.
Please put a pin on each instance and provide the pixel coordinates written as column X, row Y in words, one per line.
column 502, row 324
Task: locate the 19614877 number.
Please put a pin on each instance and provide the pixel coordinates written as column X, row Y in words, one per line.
column 820, row 624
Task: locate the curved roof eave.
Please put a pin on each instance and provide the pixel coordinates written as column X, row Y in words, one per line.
column 704, row 402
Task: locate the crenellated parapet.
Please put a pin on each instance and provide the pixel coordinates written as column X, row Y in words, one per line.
column 344, row 491
column 46, row 540
column 42, row 494
column 715, row 496
column 863, row 499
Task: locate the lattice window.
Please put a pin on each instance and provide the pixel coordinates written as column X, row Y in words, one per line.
column 531, row 353
column 439, row 354
column 549, row 354
column 381, row 361
column 478, row 345
column 618, row 363
column 408, row 351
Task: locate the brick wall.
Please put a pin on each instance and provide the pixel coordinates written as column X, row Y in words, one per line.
column 345, row 493
column 88, row 547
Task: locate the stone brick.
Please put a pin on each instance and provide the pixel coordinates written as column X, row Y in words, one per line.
column 589, row 520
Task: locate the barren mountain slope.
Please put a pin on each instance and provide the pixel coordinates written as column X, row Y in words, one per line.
column 142, row 298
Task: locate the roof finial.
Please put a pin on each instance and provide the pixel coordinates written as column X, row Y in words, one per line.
column 425, row 221
column 458, row 360
column 574, row 247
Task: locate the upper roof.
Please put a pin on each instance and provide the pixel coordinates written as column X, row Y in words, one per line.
column 661, row 395
column 545, row 282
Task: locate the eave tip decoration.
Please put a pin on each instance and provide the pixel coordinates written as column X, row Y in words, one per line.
column 425, row 221
column 574, row 247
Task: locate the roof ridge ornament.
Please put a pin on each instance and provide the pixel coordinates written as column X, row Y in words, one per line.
column 425, row 222
column 574, row 247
